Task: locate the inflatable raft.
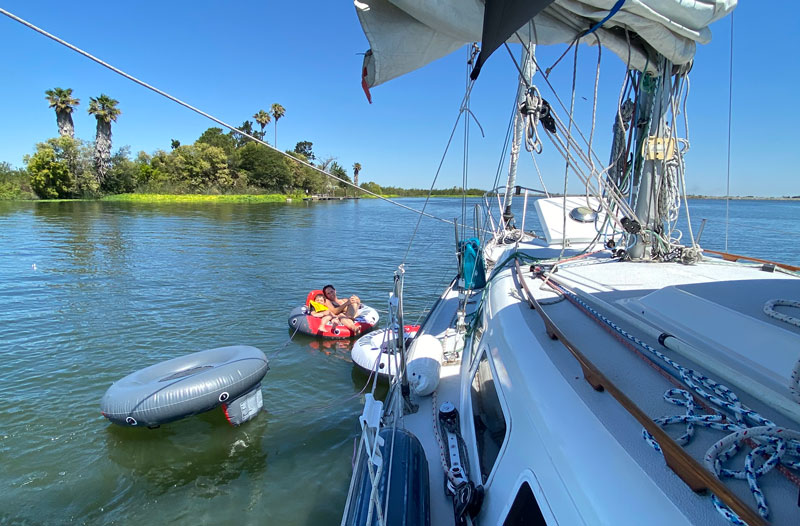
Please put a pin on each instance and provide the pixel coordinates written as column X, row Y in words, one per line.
column 188, row 385
column 369, row 347
column 302, row 321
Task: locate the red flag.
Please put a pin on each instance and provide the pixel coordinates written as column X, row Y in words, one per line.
column 364, row 85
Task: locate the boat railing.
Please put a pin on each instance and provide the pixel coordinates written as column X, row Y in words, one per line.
column 377, row 414
column 500, row 227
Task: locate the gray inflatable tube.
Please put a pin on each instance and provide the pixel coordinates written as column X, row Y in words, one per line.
column 186, row 386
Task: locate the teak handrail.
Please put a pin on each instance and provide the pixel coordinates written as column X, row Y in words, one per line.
column 679, row 461
column 736, row 257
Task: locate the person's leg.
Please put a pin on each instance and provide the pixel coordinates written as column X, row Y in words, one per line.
column 349, row 323
column 351, row 311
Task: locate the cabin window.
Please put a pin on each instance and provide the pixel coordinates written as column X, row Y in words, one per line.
column 487, row 416
column 525, row 510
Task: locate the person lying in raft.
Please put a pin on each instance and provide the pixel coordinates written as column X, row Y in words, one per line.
column 346, row 310
column 318, row 309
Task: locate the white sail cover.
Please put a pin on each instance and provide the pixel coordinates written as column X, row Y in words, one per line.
column 407, row 34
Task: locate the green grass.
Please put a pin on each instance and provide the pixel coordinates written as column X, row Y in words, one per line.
column 197, row 198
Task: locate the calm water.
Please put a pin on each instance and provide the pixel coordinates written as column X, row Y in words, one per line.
column 117, row 287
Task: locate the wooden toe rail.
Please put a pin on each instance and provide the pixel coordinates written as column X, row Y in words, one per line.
column 682, row 463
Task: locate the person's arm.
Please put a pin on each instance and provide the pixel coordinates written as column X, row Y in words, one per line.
column 337, row 310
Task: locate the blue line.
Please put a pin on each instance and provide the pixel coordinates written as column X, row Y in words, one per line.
column 611, row 13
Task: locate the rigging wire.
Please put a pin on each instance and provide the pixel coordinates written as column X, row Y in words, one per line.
column 730, row 114
column 439, row 169
column 465, row 161
column 211, row 117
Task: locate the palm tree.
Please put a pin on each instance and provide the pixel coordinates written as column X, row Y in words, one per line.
column 63, row 102
column 262, row 118
column 356, row 169
column 278, row 111
column 105, row 110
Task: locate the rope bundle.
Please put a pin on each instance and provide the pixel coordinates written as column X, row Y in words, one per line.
column 770, row 440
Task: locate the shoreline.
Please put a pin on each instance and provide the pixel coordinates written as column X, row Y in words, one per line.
column 290, row 198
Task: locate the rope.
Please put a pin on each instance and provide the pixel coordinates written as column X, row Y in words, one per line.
column 285, row 344
column 778, row 442
column 769, row 310
column 462, row 108
column 612, row 12
column 723, row 397
column 532, row 110
column 216, row 120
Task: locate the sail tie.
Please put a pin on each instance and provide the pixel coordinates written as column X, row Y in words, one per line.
column 611, row 13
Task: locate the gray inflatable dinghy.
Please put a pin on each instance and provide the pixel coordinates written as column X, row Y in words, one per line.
column 188, row 385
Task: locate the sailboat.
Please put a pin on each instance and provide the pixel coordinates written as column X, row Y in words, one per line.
column 602, row 369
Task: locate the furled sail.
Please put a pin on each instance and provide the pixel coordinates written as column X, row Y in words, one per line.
column 407, row 34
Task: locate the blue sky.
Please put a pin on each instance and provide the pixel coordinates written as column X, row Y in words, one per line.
column 232, row 59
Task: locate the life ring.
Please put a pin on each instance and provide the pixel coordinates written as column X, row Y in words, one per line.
column 188, row 385
column 370, row 347
column 301, row 321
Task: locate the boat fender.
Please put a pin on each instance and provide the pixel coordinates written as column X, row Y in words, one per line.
column 424, row 364
column 244, row 408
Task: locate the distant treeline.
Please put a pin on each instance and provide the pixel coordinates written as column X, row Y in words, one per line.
column 423, row 192
column 218, row 162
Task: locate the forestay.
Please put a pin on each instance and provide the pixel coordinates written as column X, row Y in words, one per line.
column 405, row 35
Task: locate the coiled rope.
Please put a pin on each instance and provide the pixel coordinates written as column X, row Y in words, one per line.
column 769, row 310
column 779, row 441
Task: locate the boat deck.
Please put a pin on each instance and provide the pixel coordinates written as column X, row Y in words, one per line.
column 579, row 448
column 718, row 309
column 441, row 323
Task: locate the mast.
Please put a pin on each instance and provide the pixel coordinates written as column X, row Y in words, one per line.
column 528, row 70
column 653, row 147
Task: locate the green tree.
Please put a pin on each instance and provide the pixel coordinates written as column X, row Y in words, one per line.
column 202, row 167
column 175, row 143
column 262, row 118
column 356, row 169
column 105, row 110
column 216, row 137
column 50, row 177
column 372, row 187
column 305, row 178
column 265, row 167
column 63, row 102
column 304, row 148
column 278, row 112
column 14, row 183
column 60, row 168
column 241, row 140
column 159, row 173
column 123, row 176
column 340, row 172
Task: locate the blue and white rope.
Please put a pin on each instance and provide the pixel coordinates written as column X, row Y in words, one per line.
column 779, row 441
column 769, row 310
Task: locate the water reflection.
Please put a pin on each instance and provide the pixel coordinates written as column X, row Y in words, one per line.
column 120, row 286
column 179, row 453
